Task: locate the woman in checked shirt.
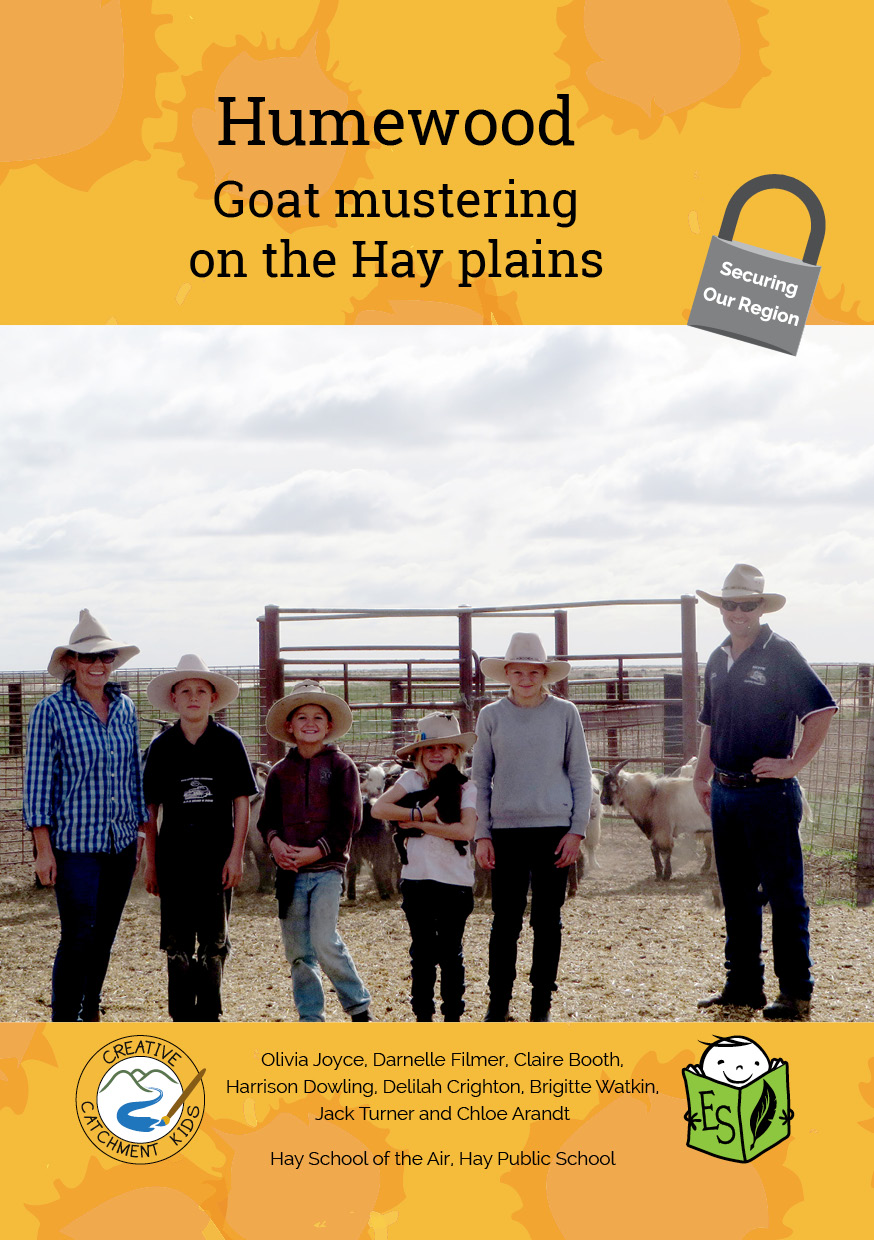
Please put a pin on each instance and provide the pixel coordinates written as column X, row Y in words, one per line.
column 83, row 801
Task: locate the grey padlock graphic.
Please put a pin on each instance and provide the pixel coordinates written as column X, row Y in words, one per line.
column 759, row 295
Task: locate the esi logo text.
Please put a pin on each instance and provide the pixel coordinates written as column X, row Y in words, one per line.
column 140, row 1099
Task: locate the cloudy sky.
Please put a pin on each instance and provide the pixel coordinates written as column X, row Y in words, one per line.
column 177, row 480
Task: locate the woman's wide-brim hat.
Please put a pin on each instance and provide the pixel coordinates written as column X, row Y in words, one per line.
column 88, row 637
column 525, row 648
column 308, row 693
column 438, row 729
column 744, row 582
column 191, row 667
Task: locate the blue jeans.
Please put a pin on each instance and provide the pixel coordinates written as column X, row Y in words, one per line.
column 90, row 890
column 311, row 939
column 758, row 860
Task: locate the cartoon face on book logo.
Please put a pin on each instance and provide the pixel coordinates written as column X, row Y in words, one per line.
column 140, row 1099
column 736, row 1061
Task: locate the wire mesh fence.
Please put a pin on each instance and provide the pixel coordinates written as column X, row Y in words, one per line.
column 629, row 712
column 19, row 693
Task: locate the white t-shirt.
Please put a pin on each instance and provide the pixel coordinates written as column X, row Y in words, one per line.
column 431, row 857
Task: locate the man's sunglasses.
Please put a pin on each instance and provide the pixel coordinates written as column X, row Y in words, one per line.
column 749, row 606
column 105, row 656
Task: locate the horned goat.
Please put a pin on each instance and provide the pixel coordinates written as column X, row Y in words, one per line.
column 663, row 806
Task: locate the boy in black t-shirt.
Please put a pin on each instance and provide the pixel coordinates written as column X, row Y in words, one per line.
column 198, row 774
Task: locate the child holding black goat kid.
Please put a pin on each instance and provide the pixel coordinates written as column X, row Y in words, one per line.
column 434, row 807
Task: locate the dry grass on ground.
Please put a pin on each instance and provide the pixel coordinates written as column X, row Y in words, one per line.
column 634, row 950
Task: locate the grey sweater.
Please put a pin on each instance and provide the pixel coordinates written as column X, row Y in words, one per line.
column 531, row 767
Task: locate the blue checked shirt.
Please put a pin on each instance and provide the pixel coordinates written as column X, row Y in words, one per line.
column 82, row 777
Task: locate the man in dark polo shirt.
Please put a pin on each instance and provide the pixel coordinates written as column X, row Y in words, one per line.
column 198, row 774
column 756, row 688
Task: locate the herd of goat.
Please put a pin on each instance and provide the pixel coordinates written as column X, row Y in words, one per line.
column 665, row 807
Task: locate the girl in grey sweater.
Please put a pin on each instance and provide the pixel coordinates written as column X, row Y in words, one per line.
column 534, row 787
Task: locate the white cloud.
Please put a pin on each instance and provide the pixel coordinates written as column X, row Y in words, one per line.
column 175, row 480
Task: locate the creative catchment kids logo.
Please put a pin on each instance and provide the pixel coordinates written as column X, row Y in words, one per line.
column 140, row 1099
column 759, row 295
column 738, row 1100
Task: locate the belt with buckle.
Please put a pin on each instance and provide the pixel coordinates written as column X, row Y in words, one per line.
column 742, row 781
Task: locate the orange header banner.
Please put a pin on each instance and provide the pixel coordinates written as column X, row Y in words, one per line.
column 336, row 162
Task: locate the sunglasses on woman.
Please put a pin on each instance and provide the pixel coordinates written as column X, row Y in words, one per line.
column 104, row 656
column 748, row 606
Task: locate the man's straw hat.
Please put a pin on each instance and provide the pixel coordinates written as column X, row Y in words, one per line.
column 743, row 583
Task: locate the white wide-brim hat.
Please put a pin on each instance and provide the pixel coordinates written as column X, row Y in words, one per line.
column 525, row 648
column 307, row 693
column 191, row 667
column 438, row 729
column 742, row 583
column 88, row 637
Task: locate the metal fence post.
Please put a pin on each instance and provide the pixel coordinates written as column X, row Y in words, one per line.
column 688, row 603
column 271, row 678
column 611, row 693
column 16, row 720
column 397, row 696
column 562, row 688
column 865, row 854
column 673, row 725
column 465, row 669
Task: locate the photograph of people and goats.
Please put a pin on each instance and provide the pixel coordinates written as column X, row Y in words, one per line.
column 381, row 510
column 643, row 924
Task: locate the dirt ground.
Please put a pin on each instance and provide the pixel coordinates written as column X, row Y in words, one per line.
column 634, row 950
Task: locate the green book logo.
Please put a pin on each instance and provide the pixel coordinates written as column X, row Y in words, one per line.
column 738, row 1101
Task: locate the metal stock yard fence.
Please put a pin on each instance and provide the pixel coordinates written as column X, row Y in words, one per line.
column 640, row 707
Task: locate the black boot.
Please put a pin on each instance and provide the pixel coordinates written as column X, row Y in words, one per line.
column 732, row 998
column 783, row 1008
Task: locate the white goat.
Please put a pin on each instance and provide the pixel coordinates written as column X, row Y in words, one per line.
column 593, row 830
column 663, row 806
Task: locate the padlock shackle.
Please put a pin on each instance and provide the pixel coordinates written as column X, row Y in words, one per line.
column 776, row 180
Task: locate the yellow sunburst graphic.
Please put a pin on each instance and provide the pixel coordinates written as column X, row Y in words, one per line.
column 866, row 1089
column 831, row 310
column 137, row 1202
column 22, row 1044
column 642, row 1141
column 288, row 80
column 227, row 1185
column 338, row 1177
column 638, row 63
column 391, row 303
column 78, row 77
